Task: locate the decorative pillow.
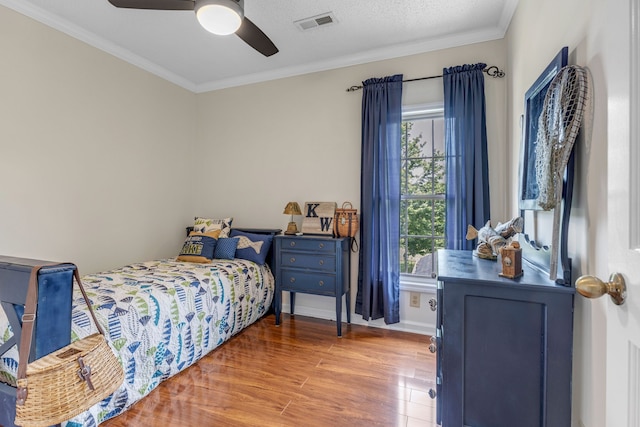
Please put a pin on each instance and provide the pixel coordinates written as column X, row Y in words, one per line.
column 252, row 247
column 199, row 247
column 204, row 225
column 226, row 248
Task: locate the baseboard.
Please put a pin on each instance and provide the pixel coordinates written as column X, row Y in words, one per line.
column 356, row 319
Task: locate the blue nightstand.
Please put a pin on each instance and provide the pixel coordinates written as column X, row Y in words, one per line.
column 313, row 265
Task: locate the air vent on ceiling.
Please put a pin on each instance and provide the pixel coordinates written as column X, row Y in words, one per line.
column 316, row 21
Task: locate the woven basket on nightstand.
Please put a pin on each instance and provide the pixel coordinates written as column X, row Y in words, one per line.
column 345, row 223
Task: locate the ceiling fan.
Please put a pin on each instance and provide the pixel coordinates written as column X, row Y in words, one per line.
column 220, row 17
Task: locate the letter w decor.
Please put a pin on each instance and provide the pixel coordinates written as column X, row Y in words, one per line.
column 318, row 218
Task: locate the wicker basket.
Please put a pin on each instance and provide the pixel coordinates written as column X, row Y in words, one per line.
column 56, row 393
column 345, row 223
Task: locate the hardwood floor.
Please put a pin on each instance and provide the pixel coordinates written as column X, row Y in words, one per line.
column 299, row 374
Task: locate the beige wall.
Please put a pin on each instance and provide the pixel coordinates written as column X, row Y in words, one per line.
column 95, row 154
column 143, row 156
column 537, row 32
column 298, row 139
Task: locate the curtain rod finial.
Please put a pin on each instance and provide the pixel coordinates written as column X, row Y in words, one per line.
column 494, row 72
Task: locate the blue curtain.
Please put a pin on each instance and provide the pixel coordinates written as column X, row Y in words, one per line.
column 379, row 277
column 467, row 165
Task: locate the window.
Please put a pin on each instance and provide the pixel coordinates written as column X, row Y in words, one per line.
column 422, row 181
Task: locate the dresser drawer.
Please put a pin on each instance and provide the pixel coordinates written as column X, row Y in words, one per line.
column 305, row 260
column 306, row 244
column 312, row 283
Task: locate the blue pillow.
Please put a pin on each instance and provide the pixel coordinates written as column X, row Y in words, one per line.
column 252, row 247
column 199, row 247
column 226, row 248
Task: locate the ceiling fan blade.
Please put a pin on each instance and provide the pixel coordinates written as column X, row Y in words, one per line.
column 155, row 4
column 254, row 37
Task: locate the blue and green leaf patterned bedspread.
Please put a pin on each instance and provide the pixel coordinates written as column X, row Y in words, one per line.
column 160, row 317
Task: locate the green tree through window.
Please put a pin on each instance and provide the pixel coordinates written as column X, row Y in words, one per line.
column 422, row 207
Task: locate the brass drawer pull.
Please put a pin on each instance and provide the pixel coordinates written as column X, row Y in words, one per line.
column 321, row 262
column 292, row 280
column 292, row 244
column 321, row 245
column 292, row 260
column 321, row 282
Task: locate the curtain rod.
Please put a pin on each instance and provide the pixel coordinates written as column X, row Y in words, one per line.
column 492, row 71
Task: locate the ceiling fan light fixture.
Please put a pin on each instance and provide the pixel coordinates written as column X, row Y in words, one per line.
column 221, row 17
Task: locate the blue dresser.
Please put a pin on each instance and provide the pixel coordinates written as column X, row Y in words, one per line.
column 504, row 346
column 313, row 265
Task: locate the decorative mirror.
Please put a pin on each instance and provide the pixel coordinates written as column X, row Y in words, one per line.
column 533, row 101
column 535, row 253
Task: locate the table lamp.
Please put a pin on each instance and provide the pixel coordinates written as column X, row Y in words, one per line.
column 292, row 208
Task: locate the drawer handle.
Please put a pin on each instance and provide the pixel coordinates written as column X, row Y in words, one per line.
column 433, row 348
column 292, row 280
column 292, row 260
column 321, row 282
column 321, row 262
column 292, row 244
column 432, row 393
column 433, row 304
column 321, row 245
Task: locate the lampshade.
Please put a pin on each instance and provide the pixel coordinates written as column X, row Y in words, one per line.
column 292, row 208
column 221, row 17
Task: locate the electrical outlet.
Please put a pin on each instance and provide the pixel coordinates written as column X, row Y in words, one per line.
column 414, row 299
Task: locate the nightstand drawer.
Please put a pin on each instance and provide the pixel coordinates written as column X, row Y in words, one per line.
column 306, row 244
column 308, row 261
column 295, row 281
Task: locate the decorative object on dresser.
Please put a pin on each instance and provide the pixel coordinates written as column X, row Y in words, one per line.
column 565, row 105
column 504, row 346
column 511, row 261
column 346, row 224
column 490, row 240
column 292, row 208
column 313, row 265
column 318, row 218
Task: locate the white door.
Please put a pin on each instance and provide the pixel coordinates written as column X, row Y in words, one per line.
column 623, row 322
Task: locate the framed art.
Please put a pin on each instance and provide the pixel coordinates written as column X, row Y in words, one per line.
column 533, row 103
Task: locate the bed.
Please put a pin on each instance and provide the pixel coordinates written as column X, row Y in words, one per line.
column 160, row 317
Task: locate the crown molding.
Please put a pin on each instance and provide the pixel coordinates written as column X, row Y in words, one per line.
column 389, row 52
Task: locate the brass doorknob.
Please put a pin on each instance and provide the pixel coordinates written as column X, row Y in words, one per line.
column 592, row 287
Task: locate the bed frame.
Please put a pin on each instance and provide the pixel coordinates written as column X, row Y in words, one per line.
column 55, row 286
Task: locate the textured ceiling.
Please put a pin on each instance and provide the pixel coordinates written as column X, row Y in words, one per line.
column 172, row 44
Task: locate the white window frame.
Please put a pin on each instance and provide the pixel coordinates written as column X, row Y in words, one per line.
column 410, row 282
